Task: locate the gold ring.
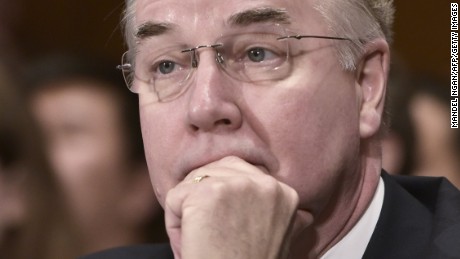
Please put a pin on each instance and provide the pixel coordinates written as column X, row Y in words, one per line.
column 198, row 179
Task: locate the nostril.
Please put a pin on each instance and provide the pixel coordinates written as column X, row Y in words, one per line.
column 217, row 124
column 224, row 121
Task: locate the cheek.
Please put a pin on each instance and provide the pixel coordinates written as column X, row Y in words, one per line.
column 313, row 133
column 162, row 142
column 313, row 156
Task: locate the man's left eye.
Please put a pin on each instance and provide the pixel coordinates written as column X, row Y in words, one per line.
column 257, row 54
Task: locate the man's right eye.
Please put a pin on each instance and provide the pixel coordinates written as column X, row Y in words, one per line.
column 166, row 67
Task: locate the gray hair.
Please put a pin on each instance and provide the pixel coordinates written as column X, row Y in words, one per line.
column 361, row 20
column 128, row 23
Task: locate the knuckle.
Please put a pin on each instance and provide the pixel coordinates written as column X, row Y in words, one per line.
column 270, row 184
column 170, row 197
column 231, row 159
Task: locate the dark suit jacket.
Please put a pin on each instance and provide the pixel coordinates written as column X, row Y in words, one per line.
column 157, row 251
column 420, row 218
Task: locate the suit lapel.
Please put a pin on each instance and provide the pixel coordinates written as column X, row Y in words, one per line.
column 403, row 229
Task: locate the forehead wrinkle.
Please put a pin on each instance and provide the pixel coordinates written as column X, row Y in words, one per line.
column 260, row 15
column 150, row 29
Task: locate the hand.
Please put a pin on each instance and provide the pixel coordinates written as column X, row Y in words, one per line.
column 236, row 212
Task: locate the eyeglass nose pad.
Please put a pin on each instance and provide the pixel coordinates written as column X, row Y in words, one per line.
column 219, row 57
column 194, row 60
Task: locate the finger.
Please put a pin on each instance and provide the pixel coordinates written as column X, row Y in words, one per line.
column 227, row 166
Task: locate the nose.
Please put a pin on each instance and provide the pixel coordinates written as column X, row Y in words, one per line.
column 213, row 101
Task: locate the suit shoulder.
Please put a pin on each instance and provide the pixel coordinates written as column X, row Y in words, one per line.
column 442, row 201
column 437, row 194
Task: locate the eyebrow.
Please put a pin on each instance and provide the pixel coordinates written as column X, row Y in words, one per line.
column 243, row 18
column 150, row 29
column 259, row 15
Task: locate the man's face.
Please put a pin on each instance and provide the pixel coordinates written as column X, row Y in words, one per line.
column 303, row 130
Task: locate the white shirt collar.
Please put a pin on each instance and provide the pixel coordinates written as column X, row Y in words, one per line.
column 354, row 243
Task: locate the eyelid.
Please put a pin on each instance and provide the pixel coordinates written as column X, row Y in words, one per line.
column 269, row 46
column 156, row 65
column 172, row 55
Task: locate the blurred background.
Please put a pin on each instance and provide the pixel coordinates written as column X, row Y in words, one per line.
column 39, row 41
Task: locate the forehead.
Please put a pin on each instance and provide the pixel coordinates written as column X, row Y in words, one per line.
column 207, row 16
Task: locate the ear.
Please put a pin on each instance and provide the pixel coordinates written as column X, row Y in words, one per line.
column 372, row 75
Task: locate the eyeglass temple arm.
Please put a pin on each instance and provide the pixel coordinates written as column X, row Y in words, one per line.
column 298, row 37
column 124, row 67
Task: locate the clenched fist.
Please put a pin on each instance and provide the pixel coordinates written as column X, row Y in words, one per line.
column 237, row 212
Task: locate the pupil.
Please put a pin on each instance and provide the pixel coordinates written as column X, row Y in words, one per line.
column 166, row 67
column 257, row 54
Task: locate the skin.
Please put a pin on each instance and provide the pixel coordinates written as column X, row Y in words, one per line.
column 292, row 166
column 82, row 127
